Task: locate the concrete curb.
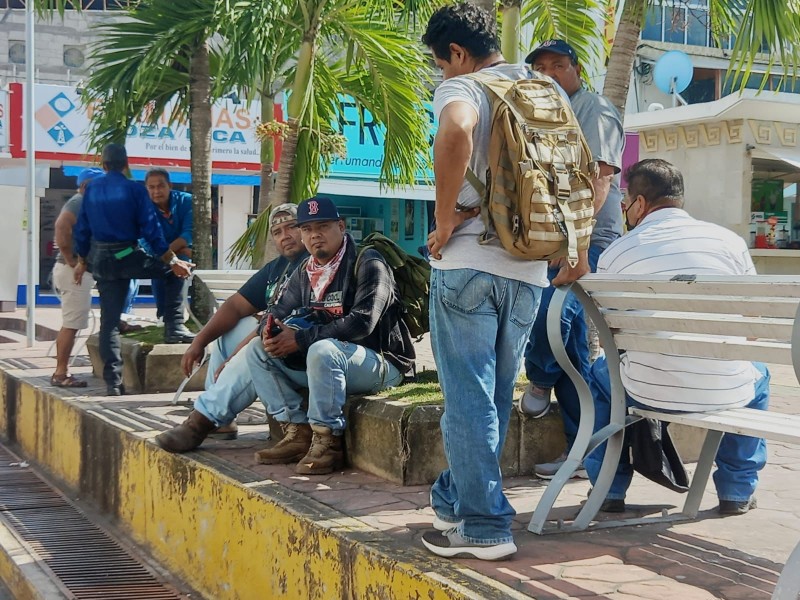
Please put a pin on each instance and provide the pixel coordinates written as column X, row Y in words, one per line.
column 207, row 524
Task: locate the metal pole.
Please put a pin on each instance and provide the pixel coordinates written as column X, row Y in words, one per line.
column 30, row 157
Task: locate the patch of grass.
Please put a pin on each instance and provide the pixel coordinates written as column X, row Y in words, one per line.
column 147, row 335
column 426, row 389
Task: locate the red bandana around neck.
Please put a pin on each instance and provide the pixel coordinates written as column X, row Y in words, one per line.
column 321, row 276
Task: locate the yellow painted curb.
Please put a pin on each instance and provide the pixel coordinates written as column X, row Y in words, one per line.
column 228, row 539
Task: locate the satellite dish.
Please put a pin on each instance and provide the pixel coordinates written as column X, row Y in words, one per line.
column 673, row 72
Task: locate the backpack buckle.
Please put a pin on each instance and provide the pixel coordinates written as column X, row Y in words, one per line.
column 515, row 225
column 560, row 179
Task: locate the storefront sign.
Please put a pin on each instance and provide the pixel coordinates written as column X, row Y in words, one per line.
column 365, row 141
column 62, row 128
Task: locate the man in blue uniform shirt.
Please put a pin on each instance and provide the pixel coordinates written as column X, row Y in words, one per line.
column 174, row 210
column 115, row 213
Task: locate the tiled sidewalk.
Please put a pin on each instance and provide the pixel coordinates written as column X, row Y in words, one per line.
column 732, row 558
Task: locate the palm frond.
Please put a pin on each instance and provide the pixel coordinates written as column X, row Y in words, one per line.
column 388, row 75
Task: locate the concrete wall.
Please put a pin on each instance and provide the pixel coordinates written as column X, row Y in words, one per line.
column 235, row 203
column 715, row 163
column 53, row 37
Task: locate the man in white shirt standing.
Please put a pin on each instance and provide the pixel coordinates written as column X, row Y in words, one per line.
column 482, row 300
column 665, row 240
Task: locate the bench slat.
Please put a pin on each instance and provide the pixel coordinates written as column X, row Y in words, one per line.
column 733, row 305
column 784, row 286
column 742, row 421
column 700, row 323
column 722, row 348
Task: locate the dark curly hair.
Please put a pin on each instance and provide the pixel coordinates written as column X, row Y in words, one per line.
column 464, row 24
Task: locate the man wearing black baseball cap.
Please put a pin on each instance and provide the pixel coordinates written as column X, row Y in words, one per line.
column 602, row 128
column 353, row 340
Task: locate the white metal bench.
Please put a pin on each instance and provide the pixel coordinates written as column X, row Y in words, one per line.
column 221, row 284
column 751, row 318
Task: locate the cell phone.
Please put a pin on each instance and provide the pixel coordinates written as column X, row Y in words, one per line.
column 272, row 327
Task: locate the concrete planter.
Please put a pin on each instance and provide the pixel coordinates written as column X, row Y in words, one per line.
column 402, row 442
column 148, row 368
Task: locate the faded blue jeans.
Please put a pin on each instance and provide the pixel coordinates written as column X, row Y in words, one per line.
column 479, row 325
column 541, row 366
column 739, row 458
column 334, row 369
column 233, row 391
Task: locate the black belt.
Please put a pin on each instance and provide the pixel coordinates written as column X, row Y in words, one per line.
column 123, row 248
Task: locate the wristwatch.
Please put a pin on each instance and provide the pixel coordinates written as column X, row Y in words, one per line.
column 174, row 260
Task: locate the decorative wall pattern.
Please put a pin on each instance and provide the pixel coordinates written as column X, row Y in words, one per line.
column 765, row 133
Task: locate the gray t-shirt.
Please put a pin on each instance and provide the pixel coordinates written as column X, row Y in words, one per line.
column 73, row 205
column 602, row 128
column 463, row 250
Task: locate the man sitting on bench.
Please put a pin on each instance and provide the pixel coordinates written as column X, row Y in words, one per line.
column 229, row 389
column 353, row 341
column 666, row 241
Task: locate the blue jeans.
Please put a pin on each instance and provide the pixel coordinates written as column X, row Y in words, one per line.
column 540, row 364
column 233, row 391
column 113, row 277
column 133, row 291
column 479, row 324
column 739, row 458
column 334, row 369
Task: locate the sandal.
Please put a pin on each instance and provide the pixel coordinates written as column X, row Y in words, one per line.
column 67, row 381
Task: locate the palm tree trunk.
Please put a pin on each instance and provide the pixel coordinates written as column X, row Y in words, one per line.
column 294, row 110
column 623, row 54
column 267, row 153
column 200, row 149
column 510, row 41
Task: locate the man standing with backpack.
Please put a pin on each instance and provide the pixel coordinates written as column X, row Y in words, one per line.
column 483, row 299
column 602, row 128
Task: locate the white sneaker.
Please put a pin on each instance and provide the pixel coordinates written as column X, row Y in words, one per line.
column 549, row 470
column 535, row 401
column 450, row 544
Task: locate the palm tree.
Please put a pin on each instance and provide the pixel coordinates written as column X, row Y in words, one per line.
column 757, row 24
column 156, row 57
column 338, row 47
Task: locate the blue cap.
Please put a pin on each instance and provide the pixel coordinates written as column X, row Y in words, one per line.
column 556, row 47
column 88, row 174
column 317, row 209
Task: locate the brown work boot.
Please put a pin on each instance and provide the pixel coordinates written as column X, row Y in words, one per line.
column 325, row 455
column 225, row 432
column 294, row 445
column 188, row 435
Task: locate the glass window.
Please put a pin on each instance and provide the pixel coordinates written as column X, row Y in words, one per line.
column 653, row 23
column 675, row 26
column 697, row 27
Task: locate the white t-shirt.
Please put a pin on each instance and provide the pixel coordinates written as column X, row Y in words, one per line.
column 462, row 250
column 670, row 242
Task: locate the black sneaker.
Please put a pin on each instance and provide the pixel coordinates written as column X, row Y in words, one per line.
column 613, row 505
column 115, row 390
column 450, row 544
column 735, row 507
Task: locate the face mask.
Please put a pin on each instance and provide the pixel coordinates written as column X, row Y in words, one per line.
column 628, row 223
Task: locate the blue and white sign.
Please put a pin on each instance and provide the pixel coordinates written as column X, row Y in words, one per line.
column 365, row 142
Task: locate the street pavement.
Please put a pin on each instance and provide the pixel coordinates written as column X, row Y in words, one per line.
column 735, row 558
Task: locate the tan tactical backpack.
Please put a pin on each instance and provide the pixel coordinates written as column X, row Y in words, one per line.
column 538, row 196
